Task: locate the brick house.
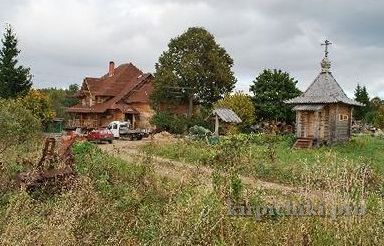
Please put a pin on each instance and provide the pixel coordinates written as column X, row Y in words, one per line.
column 121, row 94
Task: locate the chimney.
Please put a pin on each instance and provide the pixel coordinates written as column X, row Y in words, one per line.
column 111, row 68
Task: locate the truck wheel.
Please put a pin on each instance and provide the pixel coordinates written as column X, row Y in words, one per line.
column 139, row 137
column 110, row 141
column 130, row 137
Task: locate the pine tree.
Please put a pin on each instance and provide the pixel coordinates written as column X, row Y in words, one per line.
column 15, row 80
column 361, row 95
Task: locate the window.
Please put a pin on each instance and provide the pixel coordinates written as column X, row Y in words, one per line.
column 99, row 100
column 114, row 126
column 343, row 117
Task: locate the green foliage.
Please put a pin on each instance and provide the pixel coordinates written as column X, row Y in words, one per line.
column 375, row 115
column 197, row 63
column 271, row 157
column 270, row 89
column 241, row 104
column 177, row 124
column 39, row 104
column 62, row 98
column 170, row 122
column 15, row 80
column 361, row 95
column 125, row 202
column 17, row 124
column 236, row 187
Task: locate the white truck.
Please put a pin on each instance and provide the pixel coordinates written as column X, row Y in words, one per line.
column 121, row 130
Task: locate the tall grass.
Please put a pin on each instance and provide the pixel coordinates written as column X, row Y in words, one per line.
column 115, row 202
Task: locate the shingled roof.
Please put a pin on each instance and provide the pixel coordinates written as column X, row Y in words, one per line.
column 227, row 115
column 126, row 81
column 324, row 89
column 112, row 85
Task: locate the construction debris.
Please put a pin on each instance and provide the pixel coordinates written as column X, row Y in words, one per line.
column 54, row 169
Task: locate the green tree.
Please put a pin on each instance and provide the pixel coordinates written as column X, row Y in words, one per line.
column 17, row 124
column 15, row 80
column 361, row 95
column 270, row 89
column 194, row 65
column 375, row 115
column 39, row 104
column 241, row 104
column 62, row 98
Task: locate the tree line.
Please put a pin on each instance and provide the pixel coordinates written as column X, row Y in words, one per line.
column 193, row 70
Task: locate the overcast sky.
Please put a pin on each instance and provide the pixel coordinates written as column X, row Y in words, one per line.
column 65, row 40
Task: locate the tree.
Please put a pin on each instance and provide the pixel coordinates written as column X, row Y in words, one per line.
column 17, row 124
column 270, row 89
column 39, row 105
column 61, row 98
column 15, row 80
column 375, row 115
column 361, row 95
column 241, row 104
column 193, row 66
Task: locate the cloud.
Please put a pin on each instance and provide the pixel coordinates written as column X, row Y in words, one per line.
column 65, row 40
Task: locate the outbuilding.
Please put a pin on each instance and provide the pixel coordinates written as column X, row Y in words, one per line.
column 323, row 111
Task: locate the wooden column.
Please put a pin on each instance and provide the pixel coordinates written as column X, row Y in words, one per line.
column 317, row 124
column 336, row 124
column 350, row 123
column 216, row 125
column 133, row 121
column 298, row 125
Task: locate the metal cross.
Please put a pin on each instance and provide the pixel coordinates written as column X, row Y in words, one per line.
column 326, row 43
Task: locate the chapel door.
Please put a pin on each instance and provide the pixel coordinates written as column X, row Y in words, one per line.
column 308, row 123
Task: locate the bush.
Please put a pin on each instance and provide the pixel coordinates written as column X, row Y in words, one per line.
column 169, row 122
column 177, row 124
column 17, row 125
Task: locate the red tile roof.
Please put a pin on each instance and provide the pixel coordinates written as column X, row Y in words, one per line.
column 127, row 81
column 111, row 86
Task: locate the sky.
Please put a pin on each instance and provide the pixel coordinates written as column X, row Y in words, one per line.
column 63, row 41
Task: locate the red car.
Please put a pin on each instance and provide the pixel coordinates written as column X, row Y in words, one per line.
column 100, row 135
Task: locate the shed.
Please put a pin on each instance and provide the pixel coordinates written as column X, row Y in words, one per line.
column 226, row 115
column 323, row 111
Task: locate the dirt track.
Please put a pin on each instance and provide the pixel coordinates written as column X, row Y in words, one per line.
column 184, row 172
column 181, row 171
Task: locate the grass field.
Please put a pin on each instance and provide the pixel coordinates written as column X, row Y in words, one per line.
column 272, row 158
column 126, row 202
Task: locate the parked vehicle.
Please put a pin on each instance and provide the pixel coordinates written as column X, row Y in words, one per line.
column 100, row 135
column 121, row 130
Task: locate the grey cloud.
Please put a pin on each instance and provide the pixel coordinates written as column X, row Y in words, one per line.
column 64, row 41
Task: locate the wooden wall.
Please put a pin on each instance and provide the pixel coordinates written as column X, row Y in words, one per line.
column 340, row 128
column 331, row 126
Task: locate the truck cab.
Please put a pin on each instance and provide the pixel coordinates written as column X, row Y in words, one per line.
column 122, row 130
column 119, row 128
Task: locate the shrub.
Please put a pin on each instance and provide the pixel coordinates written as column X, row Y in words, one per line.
column 169, row 122
column 39, row 104
column 177, row 124
column 17, row 125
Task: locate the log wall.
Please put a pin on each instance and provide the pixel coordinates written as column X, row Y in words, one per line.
column 331, row 124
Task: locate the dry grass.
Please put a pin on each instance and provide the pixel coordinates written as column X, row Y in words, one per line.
column 126, row 202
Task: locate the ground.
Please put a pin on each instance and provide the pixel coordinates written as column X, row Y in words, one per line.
column 181, row 170
column 172, row 191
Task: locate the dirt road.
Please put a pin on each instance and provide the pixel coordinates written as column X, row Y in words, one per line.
column 129, row 150
column 184, row 172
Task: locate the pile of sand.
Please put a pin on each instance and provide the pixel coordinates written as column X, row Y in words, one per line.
column 163, row 136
